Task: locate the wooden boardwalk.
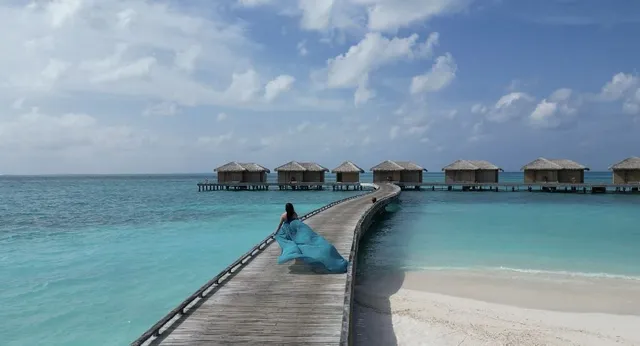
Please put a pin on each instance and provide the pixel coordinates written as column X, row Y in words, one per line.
column 267, row 303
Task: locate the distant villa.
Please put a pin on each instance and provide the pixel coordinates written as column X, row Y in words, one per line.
column 542, row 170
column 236, row 172
column 471, row 171
column 626, row 171
column 397, row 171
column 347, row 172
column 305, row 172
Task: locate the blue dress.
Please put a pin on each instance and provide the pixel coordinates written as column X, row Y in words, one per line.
column 297, row 240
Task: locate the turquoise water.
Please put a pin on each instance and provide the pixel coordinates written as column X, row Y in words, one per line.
column 574, row 234
column 96, row 260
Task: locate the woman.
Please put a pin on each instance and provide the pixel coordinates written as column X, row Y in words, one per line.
column 298, row 241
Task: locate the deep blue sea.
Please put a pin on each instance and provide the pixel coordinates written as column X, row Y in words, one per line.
column 96, row 260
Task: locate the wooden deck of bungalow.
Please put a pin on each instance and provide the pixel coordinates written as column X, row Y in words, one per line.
column 264, row 186
column 595, row 187
column 257, row 301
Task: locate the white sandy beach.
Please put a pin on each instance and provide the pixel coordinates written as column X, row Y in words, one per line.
column 471, row 308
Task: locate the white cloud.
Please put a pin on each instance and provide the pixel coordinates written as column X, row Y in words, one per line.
column 130, row 48
column 543, row 115
column 221, row 117
column 479, row 108
column 302, row 48
column 619, row 86
column 186, row 59
column 162, row 108
column 440, row 76
column 215, row 141
column 561, row 95
column 510, row 106
column 394, row 131
column 363, row 94
column 18, row 103
column 451, row 114
column 372, row 52
column 252, row 3
column 625, row 87
column 558, row 109
column 417, row 130
column 477, row 132
column 277, row 86
column 316, row 14
column 139, row 68
column 244, row 86
column 353, row 68
column 359, row 16
column 426, row 49
column 632, row 104
column 390, row 15
column 35, row 132
column 62, row 10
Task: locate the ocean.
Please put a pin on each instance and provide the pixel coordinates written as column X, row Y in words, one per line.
column 577, row 235
column 96, row 260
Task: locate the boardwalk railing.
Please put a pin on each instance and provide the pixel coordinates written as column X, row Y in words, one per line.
column 225, row 274
column 362, row 227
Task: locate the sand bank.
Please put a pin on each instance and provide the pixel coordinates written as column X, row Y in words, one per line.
column 477, row 308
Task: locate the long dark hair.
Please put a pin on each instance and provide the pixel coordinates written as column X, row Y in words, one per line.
column 290, row 211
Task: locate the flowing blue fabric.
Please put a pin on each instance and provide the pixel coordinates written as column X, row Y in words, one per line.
column 299, row 241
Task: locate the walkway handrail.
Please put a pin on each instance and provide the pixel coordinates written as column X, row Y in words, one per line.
column 219, row 279
column 363, row 224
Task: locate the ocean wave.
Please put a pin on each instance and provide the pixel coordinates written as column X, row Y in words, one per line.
column 536, row 272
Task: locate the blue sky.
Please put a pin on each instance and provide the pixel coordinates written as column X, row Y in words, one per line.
column 134, row 86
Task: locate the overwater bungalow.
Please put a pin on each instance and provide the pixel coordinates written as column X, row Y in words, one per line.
column 302, row 172
column 397, row 171
column 347, row 172
column 237, row 172
column 471, row 171
column 542, row 170
column 626, row 171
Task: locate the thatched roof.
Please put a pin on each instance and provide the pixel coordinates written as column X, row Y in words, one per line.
column 630, row 163
column 348, row 167
column 295, row 166
column 389, row 166
column 234, row 166
column 553, row 165
column 470, row 165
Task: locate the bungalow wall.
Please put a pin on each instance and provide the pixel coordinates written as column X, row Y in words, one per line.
column 626, row 176
column 381, row 176
column 255, row 177
column 565, row 176
column 459, row 176
column 538, row 176
column 411, row 176
column 487, row 175
column 285, row 176
column 348, row 177
column 313, row 177
column 228, row 177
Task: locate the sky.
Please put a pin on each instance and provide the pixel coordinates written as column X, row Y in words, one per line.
column 136, row 86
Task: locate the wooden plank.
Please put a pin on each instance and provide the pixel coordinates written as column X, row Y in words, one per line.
column 267, row 303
